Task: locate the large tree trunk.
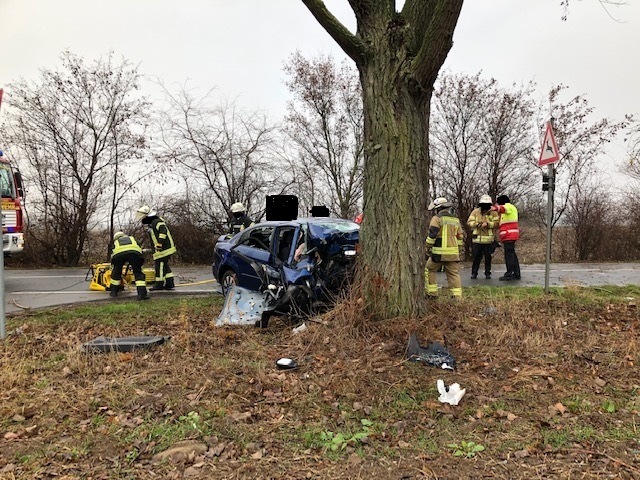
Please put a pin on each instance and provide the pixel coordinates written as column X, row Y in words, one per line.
column 395, row 190
column 398, row 55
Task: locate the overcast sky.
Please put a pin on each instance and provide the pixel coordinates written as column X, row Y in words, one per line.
column 239, row 46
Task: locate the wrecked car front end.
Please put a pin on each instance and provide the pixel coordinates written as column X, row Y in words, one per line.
column 301, row 275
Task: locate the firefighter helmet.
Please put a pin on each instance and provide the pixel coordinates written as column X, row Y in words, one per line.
column 438, row 203
column 144, row 212
column 485, row 199
column 118, row 235
column 237, row 207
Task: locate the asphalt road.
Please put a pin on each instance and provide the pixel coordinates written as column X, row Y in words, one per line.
column 30, row 289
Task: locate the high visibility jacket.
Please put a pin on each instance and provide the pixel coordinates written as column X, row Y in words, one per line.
column 480, row 234
column 125, row 244
column 509, row 230
column 445, row 237
column 161, row 238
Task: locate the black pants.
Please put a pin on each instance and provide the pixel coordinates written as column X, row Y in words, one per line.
column 480, row 251
column 511, row 259
column 134, row 259
column 163, row 270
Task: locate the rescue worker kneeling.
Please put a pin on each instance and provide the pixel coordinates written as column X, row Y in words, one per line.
column 443, row 247
column 127, row 250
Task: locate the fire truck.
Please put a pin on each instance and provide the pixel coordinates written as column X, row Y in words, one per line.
column 12, row 214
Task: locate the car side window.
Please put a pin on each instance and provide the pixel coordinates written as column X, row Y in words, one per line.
column 285, row 241
column 258, row 238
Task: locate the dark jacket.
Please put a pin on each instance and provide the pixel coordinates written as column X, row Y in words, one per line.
column 240, row 223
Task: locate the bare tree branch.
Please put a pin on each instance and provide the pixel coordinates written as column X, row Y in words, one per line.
column 353, row 46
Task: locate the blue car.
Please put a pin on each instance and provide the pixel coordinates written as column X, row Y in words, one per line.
column 302, row 262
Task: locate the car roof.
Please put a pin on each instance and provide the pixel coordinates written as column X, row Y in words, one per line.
column 301, row 221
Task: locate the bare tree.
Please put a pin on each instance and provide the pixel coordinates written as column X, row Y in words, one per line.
column 481, row 138
column 223, row 151
column 590, row 218
column 77, row 129
column 459, row 105
column 325, row 122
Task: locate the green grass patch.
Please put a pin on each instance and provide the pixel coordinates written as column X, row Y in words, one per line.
column 585, row 296
column 123, row 312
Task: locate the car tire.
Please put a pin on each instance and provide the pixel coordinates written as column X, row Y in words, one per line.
column 228, row 280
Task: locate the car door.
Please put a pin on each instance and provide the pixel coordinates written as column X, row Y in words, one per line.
column 254, row 250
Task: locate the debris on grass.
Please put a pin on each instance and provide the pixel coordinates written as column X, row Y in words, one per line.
column 434, row 355
column 451, row 394
column 122, row 344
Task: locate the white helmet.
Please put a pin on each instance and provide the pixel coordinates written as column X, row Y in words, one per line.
column 237, row 207
column 485, row 199
column 145, row 211
column 439, row 202
column 118, row 235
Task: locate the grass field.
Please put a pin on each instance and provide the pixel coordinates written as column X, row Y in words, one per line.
column 553, row 391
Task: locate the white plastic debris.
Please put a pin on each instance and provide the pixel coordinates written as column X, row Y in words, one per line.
column 300, row 329
column 451, row 394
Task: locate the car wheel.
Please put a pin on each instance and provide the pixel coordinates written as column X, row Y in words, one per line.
column 228, row 280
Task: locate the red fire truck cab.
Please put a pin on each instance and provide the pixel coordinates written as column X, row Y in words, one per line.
column 12, row 214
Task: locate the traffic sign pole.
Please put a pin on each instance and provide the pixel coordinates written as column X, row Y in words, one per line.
column 549, row 155
column 547, row 265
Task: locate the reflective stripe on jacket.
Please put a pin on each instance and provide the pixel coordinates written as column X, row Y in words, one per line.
column 509, row 231
column 483, row 234
column 161, row 239
column 445, row 237
column 125, row 244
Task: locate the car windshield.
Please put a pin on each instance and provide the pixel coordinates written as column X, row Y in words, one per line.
column 343, row 226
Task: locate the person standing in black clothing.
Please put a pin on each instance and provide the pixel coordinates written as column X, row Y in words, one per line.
column 240, row 219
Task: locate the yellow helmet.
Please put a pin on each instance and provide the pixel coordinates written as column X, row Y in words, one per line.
column 117, row 235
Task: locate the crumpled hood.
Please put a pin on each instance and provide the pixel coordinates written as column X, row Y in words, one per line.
column 330, row 237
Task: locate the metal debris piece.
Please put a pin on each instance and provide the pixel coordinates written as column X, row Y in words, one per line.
column 245, row 307
column 434, row 355
column 122, row 344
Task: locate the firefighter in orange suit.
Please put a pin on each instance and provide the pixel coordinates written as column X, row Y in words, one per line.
column 483, row 221
column 443, row 247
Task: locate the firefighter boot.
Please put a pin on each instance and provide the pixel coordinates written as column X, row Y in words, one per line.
column 169, row 284
column 142, row 293
column 113, row 292
column 157, row 286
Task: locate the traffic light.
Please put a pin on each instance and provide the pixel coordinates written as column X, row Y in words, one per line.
column 545, row 182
